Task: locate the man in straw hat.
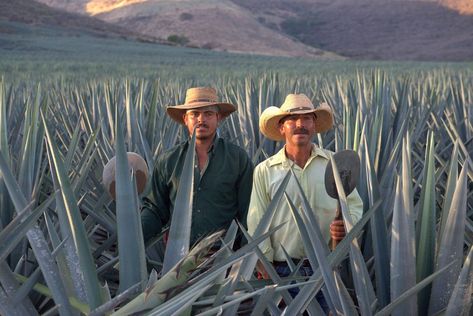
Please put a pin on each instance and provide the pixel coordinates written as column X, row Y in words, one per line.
column 223, row 171
column 295, row 122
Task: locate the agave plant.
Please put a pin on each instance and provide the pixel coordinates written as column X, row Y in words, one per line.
column 67, row 248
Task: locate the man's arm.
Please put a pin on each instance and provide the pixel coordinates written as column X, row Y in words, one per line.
column 155, row 211
column 259, row 203
column 244, row 187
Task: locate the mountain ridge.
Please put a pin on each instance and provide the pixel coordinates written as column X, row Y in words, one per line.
column 211, row 24
column 35, row 13
column 430, row 30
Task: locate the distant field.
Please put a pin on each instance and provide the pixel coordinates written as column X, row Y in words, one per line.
column 28, row 52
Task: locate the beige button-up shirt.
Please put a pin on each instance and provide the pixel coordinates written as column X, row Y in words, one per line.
column 267, row 177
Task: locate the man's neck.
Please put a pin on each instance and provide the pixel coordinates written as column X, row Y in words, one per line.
column 298, row 154
column 202, row 147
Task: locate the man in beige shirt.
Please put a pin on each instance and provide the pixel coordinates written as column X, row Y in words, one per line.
column 295, row 122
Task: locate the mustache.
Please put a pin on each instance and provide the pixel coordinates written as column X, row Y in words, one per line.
column 302, row 131
column 201, row 125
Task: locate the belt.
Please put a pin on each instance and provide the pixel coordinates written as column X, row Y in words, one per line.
column 305, row 262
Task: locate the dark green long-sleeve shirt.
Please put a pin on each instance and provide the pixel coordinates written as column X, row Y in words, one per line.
column 220, row 195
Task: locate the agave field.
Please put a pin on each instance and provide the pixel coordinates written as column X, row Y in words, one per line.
column 67, row 248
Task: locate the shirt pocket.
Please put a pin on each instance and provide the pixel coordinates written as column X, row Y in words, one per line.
column 222, row 188
column 325, row 204
column 275, row 180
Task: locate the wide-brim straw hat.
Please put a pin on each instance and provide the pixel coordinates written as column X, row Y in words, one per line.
column 294, row 104
column 198, row 98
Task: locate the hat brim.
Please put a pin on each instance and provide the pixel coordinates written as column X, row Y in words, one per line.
column 177, row 112
column 270, row 118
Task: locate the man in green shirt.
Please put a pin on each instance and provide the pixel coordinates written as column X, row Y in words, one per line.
column 222, row 174
column 295, row 122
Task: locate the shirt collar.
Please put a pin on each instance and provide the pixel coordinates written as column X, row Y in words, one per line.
column 281, row 158
column 212, row 146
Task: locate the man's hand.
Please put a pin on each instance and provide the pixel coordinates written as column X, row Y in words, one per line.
column 261, row 271
column 337, row 230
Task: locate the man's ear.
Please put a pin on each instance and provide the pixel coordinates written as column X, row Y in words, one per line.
column 281, row 128
column 184, row 118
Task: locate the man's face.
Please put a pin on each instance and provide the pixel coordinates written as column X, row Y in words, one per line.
column 298, row 129
column 203, row 120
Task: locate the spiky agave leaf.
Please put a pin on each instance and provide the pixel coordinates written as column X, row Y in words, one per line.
column 388, row 309
column 14, row 232
column 38, row 243
column 363, row 286
column 426, row 225
column 245, row 270
column 334, row 258
column 269, row 269
column 8, row 305
column 44, row 290
column 451, row 247
column 75, row 223
column 461, row 300
column 180, row 229
column 161, row 289
column 6, row 209
column 403, row 273
column 450, row 187
column 130, row 235
column 379, row 236
column 316, row 245
column 402, row 261
column 202, row 280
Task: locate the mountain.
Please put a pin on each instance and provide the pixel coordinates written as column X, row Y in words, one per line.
column 461, row 6
column 424, row 30
column 34, row 13
column 212, row 24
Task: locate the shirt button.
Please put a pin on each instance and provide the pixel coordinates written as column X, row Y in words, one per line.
column 198, row 189
column 198, row 211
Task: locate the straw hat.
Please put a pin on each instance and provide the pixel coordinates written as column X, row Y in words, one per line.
column 294, row 104
column 198, row 98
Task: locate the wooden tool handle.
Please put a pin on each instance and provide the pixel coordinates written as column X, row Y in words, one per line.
column 338, row 216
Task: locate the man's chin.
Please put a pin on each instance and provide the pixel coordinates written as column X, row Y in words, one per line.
column 300, row 138
column 301, row 142
column 205, row 136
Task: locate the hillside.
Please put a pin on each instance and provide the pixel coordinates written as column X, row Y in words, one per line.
column 218, row 25
column 375, row 29
column 34, row 13
column 212, row 24
column 402, row 30
column 39, row 42
column 461, row 6
column 421, row 30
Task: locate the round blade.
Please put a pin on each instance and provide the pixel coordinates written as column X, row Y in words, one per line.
column 135, row 162
column 348, row 165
